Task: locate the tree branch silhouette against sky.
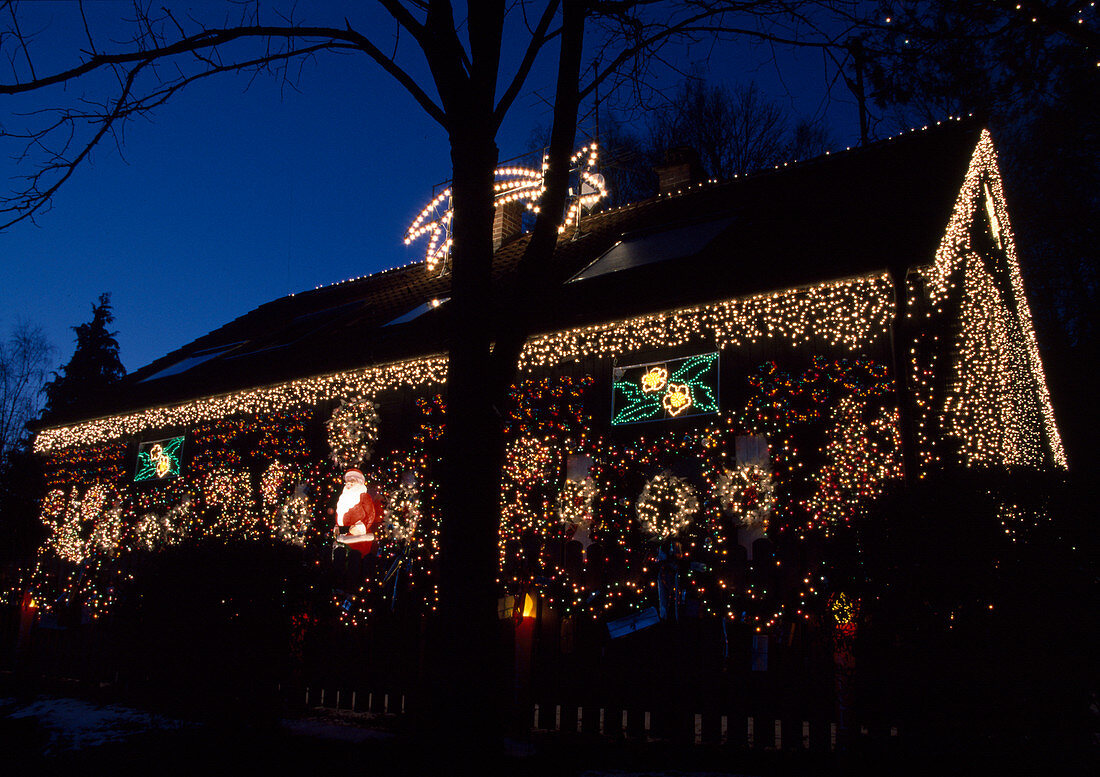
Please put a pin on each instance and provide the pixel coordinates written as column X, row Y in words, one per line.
column 279, row 181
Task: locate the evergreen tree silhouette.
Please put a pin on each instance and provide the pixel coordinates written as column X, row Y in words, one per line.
column 94, row 367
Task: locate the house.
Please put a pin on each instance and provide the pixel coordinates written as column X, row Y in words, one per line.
column 728, row 375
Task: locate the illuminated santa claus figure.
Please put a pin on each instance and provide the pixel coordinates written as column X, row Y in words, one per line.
column 357, row 514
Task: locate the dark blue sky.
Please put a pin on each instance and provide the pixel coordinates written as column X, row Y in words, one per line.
column 230, row 197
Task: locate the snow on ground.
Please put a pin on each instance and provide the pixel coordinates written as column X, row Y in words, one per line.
column 74, row 724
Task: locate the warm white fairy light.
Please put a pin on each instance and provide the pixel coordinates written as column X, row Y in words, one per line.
column 998, row 402
column 512, row 184
column 667, row 505
column 352, row 432
column 846, row 314
column 575, row 501
column 403, row 510
column 294, row 517
column 107, row 531
column 274, row 478
column 861, row 458
column 747, row 492
column 417, row 373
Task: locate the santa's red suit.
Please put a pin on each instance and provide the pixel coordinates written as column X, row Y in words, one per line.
column 358, row 514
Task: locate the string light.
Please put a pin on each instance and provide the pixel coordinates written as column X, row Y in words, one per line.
column 666, row 506
column 512, row 184
column 832, row 429
column 997, row 404
column 352, row 432
column 747, row 492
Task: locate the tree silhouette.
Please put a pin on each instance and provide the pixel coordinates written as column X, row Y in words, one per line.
column 93, row 368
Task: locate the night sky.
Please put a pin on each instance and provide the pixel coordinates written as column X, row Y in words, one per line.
column 231, row 197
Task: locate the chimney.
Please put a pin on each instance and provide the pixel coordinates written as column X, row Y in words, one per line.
column 681, row 169
column 507, row 222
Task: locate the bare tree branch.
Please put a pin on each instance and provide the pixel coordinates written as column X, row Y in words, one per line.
column 539, row 38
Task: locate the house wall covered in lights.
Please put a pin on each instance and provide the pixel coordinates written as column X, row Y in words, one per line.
column 725, row 373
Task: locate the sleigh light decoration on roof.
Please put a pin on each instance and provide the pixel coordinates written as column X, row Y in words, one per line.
column 512, row 184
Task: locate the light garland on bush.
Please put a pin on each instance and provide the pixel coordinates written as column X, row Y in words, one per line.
column 294, row 518
column 231, row 491
column 667, row 506
column 860, row 459
column 275, row 479
column 107, row 531
column 529, row 459
column 154, row 531
column 575, row 502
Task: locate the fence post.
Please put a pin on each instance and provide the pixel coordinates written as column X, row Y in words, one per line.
column 778, row 734
column 698, row 729
column 751, row 732
column 724, row 730
column 805, row 735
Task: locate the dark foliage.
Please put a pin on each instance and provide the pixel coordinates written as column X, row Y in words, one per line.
column 93, row 368
column 981, row 607
column 21, row 489
column 211, row 625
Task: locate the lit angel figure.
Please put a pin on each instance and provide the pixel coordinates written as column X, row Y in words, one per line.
column 512, row 184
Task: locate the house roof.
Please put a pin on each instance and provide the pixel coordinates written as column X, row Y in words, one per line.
column 880, row 207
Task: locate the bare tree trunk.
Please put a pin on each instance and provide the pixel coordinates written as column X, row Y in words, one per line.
column 464, row 668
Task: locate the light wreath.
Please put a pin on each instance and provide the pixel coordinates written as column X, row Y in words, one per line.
column 667, row 506
column 747, row 492
column 352, row 432
column 403, row 513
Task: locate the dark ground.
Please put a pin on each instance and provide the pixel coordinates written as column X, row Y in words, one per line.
column 330, row 743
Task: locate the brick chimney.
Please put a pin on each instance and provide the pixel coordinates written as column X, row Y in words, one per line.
column 507, row 222
column 681, row 169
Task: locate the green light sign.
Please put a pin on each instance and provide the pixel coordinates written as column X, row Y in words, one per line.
column 657, row 391
column 159, row 459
